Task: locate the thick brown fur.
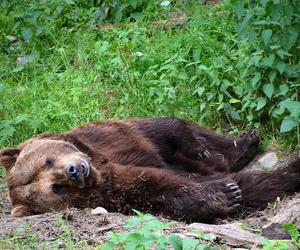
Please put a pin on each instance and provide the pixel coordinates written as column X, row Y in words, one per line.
column 163, row 166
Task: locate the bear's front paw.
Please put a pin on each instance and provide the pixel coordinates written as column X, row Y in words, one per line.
column 198, row 153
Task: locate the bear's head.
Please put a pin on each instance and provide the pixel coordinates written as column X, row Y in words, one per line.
column 50, row 172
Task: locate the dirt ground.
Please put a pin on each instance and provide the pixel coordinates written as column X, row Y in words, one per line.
column 82, row 224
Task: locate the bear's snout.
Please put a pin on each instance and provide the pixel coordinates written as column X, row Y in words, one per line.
column 77, row 171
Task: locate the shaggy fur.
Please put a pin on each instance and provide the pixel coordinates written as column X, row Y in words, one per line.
column 163, row 166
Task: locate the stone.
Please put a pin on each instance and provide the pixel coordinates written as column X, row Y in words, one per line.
column 268, row 161
column 99, row 210
column 232, row 233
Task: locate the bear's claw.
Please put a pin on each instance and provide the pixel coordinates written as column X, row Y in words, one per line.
column 234, row 195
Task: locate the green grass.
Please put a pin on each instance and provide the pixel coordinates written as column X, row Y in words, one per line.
column 77, row 72
column 84, row 73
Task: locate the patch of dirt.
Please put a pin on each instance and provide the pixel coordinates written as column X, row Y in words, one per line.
column 5, row 206
column 83, row 225
column 48, row 227
column 212, row 2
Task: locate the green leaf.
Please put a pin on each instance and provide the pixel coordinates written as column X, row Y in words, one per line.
column 176, row 241
column 266, row 35
column 235, row 115
column 39, row 29
column 288, row 124
column 283, row 53
column 269, row 60
column 290, row 105
column 7, row 130
column 199, row 91
column 261, row 102
column 26, row 34
column 291, row 37
column 21, row 118
column 182, row 76
column 272, row 75
column 69, row 2
column 189, row 243
column 284, row 88
column 196, row 55
column 203, row 67
column 281, row 67
column 233, row 100
column 108, row 246
column 134, row 237
column 268, row 90
column 20, row 230
column 255, row 79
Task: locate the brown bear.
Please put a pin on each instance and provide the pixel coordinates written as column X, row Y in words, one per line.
column 165, row 166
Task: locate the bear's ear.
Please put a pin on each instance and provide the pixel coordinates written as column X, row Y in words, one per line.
column 20, row 211
column 8, row 157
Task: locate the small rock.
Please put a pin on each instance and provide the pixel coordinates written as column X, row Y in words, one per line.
column 139, row 54
column 275, row 231
column 11, row 39
column 99, row 210
column 91, row 242
column 22, row 60
column 268, row 161
column 67, row 215
column 165, row 3
column 61, row 245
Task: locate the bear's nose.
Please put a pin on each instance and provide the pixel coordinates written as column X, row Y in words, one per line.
column 73, row 172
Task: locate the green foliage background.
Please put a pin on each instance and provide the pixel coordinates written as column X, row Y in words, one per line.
column 230, row 67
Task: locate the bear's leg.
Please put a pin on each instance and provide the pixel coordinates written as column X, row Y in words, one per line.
column 259, row 188
column 231, row 154
column 183, row 143
column 171, row 135
column 160, row 192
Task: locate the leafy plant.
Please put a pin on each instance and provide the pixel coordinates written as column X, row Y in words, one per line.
column 294, row 233
column 282, row 244
column 271, row 69
column 275, row 245
column 146, row 232
column 121, row 10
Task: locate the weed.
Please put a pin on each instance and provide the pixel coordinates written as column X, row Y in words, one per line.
column 275, row 245
column 146, row 232
column 282, row 244
column 271, row 66
column 294, row 233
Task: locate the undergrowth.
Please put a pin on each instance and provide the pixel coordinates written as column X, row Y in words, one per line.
column 147, row 232
column 61, row 66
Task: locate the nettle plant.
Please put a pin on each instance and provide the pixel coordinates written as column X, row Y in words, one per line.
column 147, row 232
column 270, row 28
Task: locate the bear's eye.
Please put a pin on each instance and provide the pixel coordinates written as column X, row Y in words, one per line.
column 57, row 188
column 49, row 162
